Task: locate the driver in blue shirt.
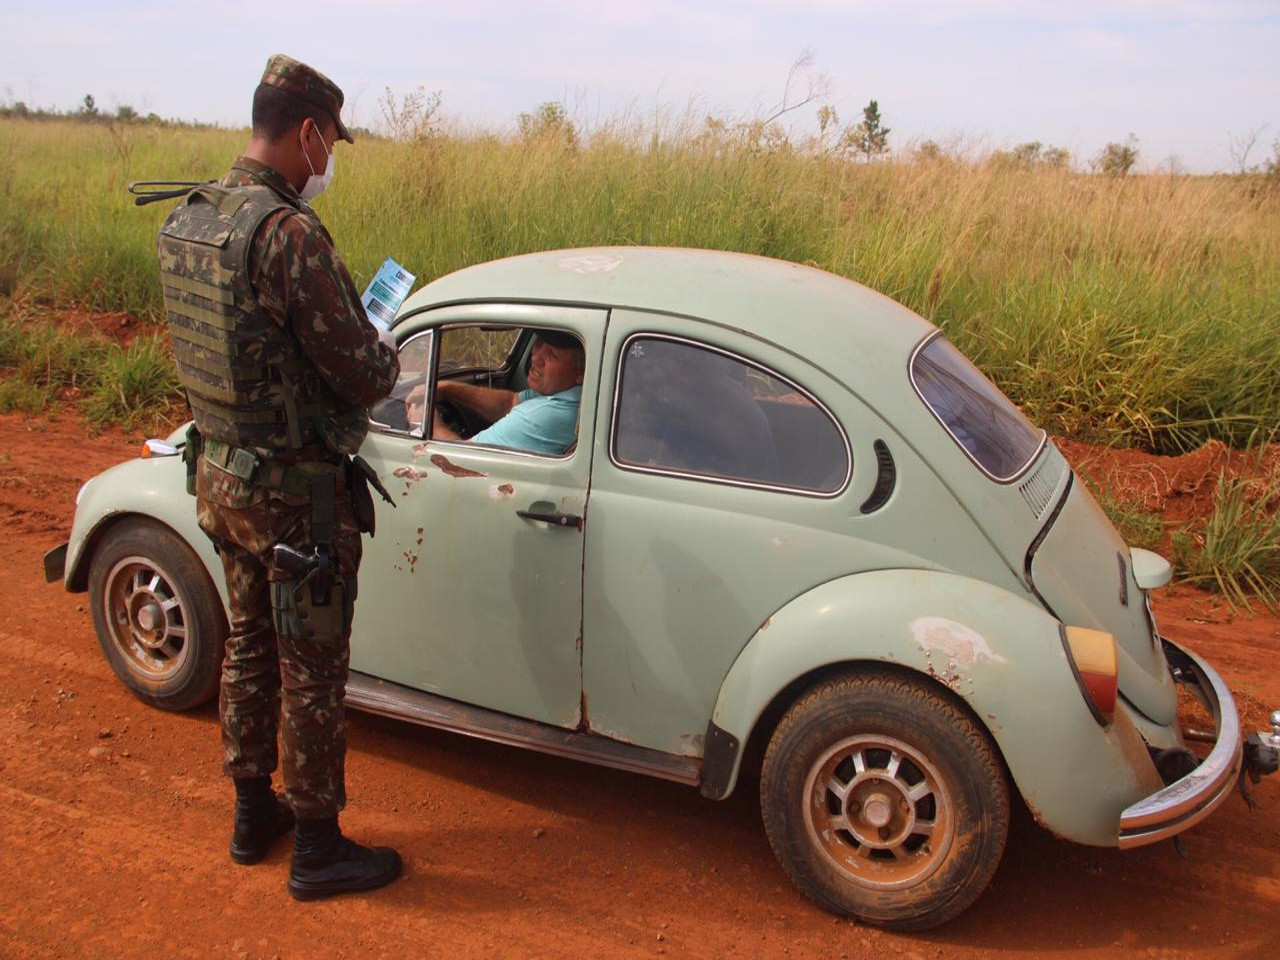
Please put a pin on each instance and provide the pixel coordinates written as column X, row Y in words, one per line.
column 541, row 419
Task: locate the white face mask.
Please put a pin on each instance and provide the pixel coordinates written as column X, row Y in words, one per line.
column 317, row 182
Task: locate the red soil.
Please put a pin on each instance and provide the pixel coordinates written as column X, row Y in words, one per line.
column 115, row 817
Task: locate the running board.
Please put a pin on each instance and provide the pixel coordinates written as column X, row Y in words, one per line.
column 389, row 699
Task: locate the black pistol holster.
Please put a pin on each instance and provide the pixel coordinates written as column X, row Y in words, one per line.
column 360, row 477
column 317, row 601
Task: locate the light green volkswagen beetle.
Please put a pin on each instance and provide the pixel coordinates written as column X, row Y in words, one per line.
column 789, row 514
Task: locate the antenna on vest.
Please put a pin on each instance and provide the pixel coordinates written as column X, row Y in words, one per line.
column 149, row 191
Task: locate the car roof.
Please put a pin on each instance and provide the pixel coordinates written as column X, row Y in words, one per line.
column 802, row 309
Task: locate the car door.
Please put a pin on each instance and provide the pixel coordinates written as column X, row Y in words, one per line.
column 472, row 586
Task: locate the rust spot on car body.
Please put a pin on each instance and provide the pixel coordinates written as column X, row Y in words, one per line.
column 410, row 474
column 452, row 469
column 952, row 650
column 691, row 745
column 502, row 491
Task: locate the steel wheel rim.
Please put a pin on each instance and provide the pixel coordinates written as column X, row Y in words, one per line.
column 879, row 812
column 146, row 619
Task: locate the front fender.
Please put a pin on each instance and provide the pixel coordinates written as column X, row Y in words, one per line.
column 155, row 488
column 999, row 653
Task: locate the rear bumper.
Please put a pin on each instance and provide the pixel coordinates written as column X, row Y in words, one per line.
column 1187, row 801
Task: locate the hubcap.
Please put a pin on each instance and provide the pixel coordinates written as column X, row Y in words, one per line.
column 879, row 812
column 145, row 617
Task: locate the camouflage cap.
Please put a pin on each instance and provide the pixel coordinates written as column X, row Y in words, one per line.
column 309, row 84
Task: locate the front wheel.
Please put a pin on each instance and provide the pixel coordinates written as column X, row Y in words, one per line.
column 885, row 801
column 158, row 616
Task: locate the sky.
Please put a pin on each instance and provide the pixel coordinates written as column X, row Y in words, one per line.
column 1192, row 80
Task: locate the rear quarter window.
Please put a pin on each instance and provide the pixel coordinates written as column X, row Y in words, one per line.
column 694, row 411
column 981, row 419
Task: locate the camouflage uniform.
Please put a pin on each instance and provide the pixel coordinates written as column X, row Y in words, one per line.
column 308, row 354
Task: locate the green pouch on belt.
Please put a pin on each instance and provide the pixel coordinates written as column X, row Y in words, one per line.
column 191, row 456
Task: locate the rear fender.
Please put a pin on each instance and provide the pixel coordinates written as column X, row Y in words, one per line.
column 998, row 653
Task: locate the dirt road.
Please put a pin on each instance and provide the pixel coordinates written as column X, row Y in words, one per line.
column 114, row 820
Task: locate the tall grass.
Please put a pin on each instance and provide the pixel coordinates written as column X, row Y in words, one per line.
column 122, row 386
column 133, row 385
column 1236, row 550
column 1143, row 310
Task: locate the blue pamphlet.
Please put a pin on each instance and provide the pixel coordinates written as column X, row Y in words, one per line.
column 386, row 292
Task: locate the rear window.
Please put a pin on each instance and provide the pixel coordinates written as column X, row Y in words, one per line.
column 986, row 424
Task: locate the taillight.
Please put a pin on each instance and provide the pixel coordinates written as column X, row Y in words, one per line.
column 1092, row 655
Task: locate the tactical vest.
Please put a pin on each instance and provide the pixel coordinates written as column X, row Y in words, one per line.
column 247, row 379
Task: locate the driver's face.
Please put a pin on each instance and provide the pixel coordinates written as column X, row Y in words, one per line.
column 554, row 368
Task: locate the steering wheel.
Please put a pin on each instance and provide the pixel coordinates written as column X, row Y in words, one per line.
column 458, row 419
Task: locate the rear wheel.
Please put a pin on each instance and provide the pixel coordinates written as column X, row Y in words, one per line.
column 884, row 800
column 158, row 616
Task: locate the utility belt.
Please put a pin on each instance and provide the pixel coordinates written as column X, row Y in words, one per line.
column 272, row 474
column 304, row 604
column 318, row 480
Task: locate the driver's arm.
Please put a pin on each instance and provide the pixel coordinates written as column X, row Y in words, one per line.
column 489, row 403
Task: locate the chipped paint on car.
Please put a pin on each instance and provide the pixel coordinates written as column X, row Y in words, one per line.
column 410, row 474
column 451, row 469
column 952, row 650
column 591, row 263
column 692, row 744
column 953, row 640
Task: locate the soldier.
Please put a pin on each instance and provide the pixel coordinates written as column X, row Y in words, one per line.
column 280, row 366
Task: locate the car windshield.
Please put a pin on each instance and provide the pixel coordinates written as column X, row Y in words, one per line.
column 982, row 420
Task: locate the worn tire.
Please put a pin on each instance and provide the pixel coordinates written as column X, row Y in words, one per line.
column 907, row 845
column 157, row 614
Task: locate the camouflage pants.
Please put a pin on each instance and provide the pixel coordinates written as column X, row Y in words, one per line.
column 281, row 672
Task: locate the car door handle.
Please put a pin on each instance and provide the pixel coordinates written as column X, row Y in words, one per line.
column 553, row 517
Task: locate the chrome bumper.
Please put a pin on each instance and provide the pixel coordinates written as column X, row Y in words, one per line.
column 1187, row 801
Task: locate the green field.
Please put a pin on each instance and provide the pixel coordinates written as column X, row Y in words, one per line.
column 1134, row 311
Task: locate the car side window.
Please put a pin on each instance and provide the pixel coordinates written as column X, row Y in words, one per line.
column 692, row 410
column 393, row 414
column 477, row 348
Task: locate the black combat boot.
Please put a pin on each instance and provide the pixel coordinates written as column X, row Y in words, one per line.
column 261, row 816
column 325, row 862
